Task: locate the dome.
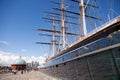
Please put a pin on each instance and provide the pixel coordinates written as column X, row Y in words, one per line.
column 19, row 61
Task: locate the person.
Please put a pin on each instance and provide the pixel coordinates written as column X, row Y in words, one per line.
column 14, row 71
column 22, row 72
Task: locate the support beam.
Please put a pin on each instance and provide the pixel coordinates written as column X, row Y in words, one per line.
column 47, row 30
column 60, row 21
column 48, row 35
column 79, row 14
column 46, row 43
column 60, row 15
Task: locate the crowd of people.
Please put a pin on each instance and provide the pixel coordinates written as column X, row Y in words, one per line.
column 20, row 71
column 5, row 69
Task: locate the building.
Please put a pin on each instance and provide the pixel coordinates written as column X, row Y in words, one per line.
column 19, row 64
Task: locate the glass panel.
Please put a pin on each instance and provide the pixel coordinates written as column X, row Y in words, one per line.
column 87, row 48
column 115, row 38
column 116, row 53
column 81, row 51
column 76, row 53
column 104, row 42
column 94, row 46
column 73, row 54
column 68, row 56
column 102, row 66
column 60, row 60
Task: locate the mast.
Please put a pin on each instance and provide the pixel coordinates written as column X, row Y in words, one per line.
column 63, row 23
column 53, row 37
column 82, row 17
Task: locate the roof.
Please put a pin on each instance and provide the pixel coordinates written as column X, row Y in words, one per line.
column 19, row 61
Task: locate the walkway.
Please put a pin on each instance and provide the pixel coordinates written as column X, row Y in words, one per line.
column 33, row 75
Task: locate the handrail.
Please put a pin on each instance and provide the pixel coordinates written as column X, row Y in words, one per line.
column 112, row 21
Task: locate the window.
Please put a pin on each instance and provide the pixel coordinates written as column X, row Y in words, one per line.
column 86, row 48
column 68, row 56
column 81, row 51
column 115, row 38
column 104, row 42
column 116, row 54
column 93, row 46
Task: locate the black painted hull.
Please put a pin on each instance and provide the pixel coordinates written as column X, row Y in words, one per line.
column 101, row 66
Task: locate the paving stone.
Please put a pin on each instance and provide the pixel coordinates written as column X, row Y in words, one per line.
column 33, row 75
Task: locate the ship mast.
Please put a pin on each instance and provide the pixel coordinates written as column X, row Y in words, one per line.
column 63, row 23
column 55, row 47
column 82, row 17
column 53, row 37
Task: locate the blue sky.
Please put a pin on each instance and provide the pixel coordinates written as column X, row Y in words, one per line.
column 19, row 21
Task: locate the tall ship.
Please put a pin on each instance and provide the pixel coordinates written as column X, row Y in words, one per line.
column 89, row 53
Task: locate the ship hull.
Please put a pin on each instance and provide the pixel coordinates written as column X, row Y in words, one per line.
column 97, row 60
column 104, row 65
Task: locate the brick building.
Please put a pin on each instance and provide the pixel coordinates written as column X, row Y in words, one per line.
column 18, row 64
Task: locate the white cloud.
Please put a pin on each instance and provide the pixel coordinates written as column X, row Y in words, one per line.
column 4, row 42
column 7, row 58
